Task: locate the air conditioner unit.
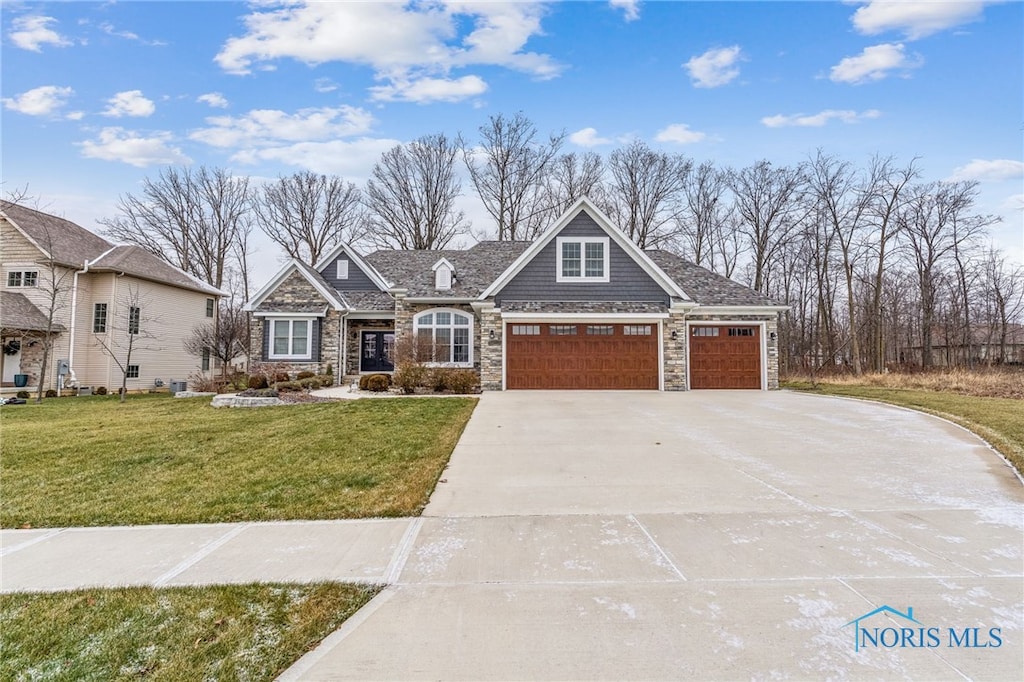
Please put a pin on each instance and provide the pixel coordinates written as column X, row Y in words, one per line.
column 178, row 386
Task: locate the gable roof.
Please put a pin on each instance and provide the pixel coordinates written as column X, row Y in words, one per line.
column 360, row 262
column 309, row 274
column 706, row 287
column 74, row 246
column 62, row 240
column 584, row 204
column 475, row 268
column 17, row 312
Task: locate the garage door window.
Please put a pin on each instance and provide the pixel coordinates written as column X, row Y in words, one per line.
column 600, row 329
column 526, row 329
column 636, row 329
column 741, row 331
column 562, row 330
column 448, row 334
column 705, row 331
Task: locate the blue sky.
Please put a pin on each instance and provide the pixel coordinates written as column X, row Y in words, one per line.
column 97, row 96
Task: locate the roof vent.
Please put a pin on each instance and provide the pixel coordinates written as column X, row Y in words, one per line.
column 444, row 274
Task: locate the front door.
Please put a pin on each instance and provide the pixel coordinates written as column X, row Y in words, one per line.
column 377, row 352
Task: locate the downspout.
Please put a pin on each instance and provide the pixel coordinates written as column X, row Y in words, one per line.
column 72, row 377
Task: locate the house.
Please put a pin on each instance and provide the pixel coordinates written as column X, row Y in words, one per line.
column 581, row 307
column 103, row 298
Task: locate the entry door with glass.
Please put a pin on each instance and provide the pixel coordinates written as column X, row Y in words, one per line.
column 377, row 352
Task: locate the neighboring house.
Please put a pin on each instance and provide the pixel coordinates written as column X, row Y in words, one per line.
column 581, row 307
column 99, row 294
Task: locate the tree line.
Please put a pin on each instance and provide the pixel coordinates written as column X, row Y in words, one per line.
column 879, row 267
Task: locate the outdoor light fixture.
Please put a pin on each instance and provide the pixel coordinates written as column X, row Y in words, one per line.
column 675, row 335
column 773, row 336
column 491, row 334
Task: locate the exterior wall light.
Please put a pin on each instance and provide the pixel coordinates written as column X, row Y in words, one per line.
column 675, row 335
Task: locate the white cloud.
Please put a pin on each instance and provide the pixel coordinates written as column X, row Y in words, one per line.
column 873, row 64
column 42, row 101
column 75, row 115
column 915, row 19
column 267, row 127
column 324, row 85
column 679, row 133
column 214, row 99
column 429, row 90
column 993, row 170
column 31, row 33
column 118, row 144
column 352, row 159
column 129, row 103
column 631, row 8
column 819, row 119
column 588, row 137
column 403, row 42
column 111, row 30
column 715, row 68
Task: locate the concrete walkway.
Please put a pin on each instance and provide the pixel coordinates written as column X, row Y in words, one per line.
column 706, row 535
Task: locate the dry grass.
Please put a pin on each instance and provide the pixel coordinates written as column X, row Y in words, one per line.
column 982, row 383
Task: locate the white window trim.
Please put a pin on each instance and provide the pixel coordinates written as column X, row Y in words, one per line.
column 582, row 241
column 416, row 331
column 342, row 269
column 308, row 357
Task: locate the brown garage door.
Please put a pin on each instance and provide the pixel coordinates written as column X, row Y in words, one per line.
column 725, row 357
column 582, row 356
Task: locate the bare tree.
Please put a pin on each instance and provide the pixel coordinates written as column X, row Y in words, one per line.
column 128, row 331
column 1004, row 295
column 573, row 176
column 224, row 339
column 643, row 190
column 509, row 168
column 308, row 214
column 411, row 195
column 704, row 214
column 192, row 219
column 766, row 200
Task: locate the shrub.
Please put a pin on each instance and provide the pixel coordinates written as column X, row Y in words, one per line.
column 281, row 376
column 462, row 381
column 258, row 381
column 288, row 386
column 326, row 379
column 376, row 380
column 51, row 393
column 308, row 382
column 330, row 371
column 24, row 395
column 100, row 390
column 203, row 384
column 409, row 376
column 304, row 374
column 258, row 393
column 378, row 383
column 438, row 379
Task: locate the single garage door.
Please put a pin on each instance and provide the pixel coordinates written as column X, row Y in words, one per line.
column 725, row 357
column 582, row 356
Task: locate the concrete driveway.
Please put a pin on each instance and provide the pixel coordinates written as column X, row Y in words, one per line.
column 711, row 535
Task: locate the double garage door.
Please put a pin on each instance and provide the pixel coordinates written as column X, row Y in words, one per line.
column 625, row 356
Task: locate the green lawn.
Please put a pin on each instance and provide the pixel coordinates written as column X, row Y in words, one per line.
column 156, row 459
column 1000, row 421
column 237, row 632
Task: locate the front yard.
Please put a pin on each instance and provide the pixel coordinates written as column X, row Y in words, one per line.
column 155, row 459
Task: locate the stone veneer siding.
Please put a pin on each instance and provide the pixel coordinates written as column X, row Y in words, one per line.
column 491, row 349
column 296, row 294
column 771, row 326
column 675, row 352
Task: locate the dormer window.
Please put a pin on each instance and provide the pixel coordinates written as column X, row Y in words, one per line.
column 444, row 273
column 342, row 269
column 582, row 259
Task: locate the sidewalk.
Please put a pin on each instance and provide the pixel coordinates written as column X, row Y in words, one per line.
column 362, row 550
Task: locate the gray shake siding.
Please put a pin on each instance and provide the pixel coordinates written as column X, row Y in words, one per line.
column 536, row 281
column 357, row 279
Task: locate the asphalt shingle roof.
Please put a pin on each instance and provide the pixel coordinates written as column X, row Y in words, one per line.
column 368, row 300
column 583, row 307
column 475, row 268
column 134, row 260
column 703, row 286
column 19, row 313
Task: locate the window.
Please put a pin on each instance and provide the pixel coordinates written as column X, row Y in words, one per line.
column 133, row 320
column 526, row 329
column 741, row 331
column 99, row 318
column 291, row 339
column 206, row 360
column 600, row 330
column 705, row 331
column 342, row 272
column 209, row 307
column 562, row 330
column 448, row 333
column 27, row 278
column 582, row 260
column 636, row 329
column 132, row 372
